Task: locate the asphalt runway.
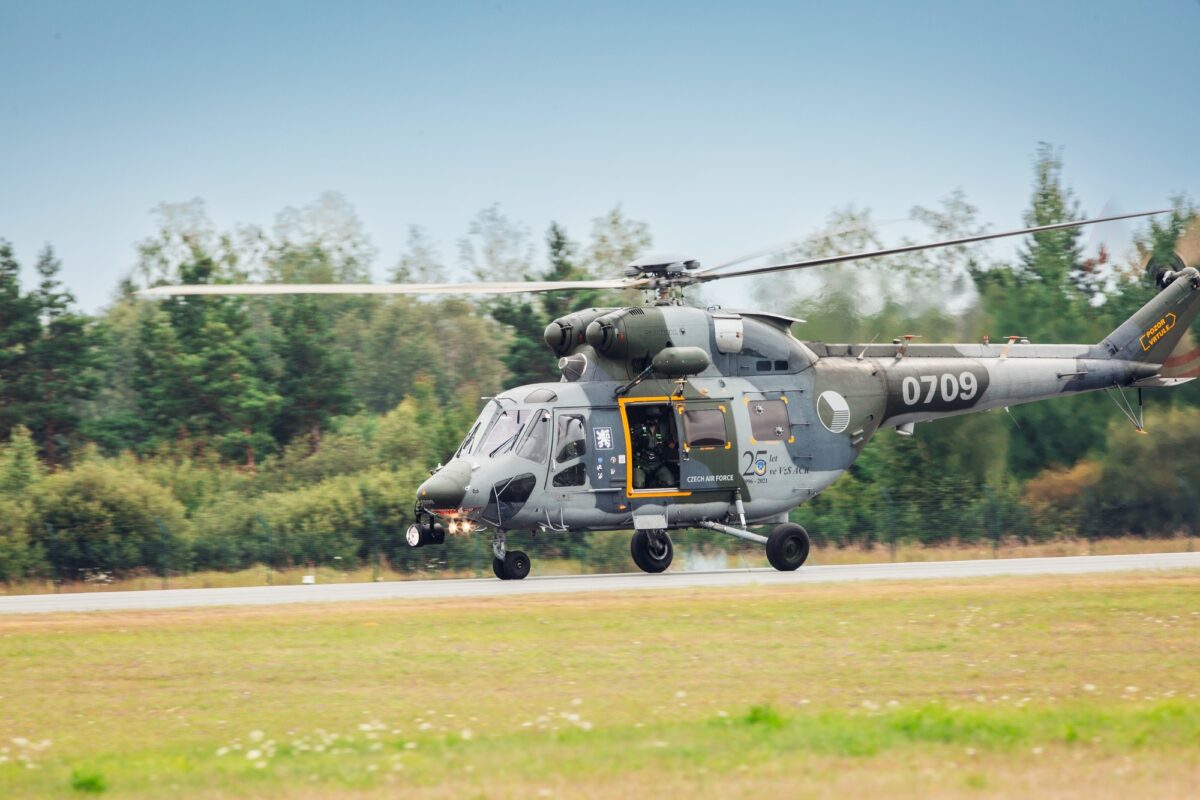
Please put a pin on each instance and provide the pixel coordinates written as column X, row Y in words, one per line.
column 636, row 581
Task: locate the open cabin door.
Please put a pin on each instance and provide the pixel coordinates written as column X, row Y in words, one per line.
column 676, row 447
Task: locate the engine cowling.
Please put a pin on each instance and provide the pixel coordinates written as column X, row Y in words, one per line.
column 566, row 333
column 629, row 334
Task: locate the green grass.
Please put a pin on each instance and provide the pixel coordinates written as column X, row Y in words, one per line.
column 1082, row 686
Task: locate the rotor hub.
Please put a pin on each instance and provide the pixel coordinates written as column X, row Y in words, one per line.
column 665, row 274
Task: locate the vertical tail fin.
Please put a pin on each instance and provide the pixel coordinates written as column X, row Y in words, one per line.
column 1153, row 332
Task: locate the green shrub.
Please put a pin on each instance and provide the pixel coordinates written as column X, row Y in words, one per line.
column 19, row 558
column 99, row 517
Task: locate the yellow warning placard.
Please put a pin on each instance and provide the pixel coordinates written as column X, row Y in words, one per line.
column 1158, row 330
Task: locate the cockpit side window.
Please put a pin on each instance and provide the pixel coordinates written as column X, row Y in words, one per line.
column 572, row 476
column 572, row 438
column 477, row 430
column 464, row 449
column 536, row 444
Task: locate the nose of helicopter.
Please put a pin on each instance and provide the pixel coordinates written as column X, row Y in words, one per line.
column 446, row 488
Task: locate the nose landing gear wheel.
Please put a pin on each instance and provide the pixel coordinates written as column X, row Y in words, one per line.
column 787, row 547
column 419, row 535
column 498, row 568
column 652, row 551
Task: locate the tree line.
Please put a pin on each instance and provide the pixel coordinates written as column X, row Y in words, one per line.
column 221, row 432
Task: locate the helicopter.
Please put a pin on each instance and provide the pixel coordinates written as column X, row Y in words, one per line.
column 669, row 416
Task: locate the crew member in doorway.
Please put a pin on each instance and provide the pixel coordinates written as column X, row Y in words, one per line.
column 656, row 454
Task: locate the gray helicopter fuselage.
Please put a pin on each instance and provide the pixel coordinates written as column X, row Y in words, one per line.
column 767, row 424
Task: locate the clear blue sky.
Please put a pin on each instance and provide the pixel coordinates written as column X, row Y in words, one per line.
column 723, row 126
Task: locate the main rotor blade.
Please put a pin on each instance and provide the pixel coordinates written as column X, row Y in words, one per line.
column 912, row 248
column 501, row 287
column 792, row 244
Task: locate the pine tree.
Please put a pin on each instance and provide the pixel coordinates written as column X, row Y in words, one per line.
column 199, row 373
column 527, row 359
column 19, row 465
column 314, row 373
column 63, row 364
column 19, row 329
column 1048, row 297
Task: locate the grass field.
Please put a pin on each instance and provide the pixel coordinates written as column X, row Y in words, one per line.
column 1067, row 687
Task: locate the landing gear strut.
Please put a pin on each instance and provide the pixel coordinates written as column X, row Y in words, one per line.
column 652, row 551
column 787, row 546
column 508, row 565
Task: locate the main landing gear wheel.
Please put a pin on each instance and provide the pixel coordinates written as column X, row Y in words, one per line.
column 651, row 551
column 516, row 565
column 498, row 568
column 787, row 547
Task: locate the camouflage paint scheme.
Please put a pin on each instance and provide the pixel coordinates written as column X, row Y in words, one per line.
column 836, row 397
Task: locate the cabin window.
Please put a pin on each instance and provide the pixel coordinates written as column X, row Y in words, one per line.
column 780, row 366
column 572, row 476
column 572, row 439
column 704, row 427
column 762, row 366
column 536, row 444
column 769, row 420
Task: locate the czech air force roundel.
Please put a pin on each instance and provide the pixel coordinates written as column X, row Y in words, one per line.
column 833, row 411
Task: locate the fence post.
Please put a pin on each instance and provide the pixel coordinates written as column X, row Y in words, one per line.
column 891, row 521
column 1191, row 509
column 52, row 537
column 1089, row 514
column 992, row 519
column 163, row 538
column 270, row 544
column 374, row 533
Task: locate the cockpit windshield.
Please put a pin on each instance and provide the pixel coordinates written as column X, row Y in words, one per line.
column 504, row 431
column 499, row 429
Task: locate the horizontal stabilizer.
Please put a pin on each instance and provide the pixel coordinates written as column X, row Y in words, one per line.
column 1159, row 382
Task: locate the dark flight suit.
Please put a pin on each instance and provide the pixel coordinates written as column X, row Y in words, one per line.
column 650, row 453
